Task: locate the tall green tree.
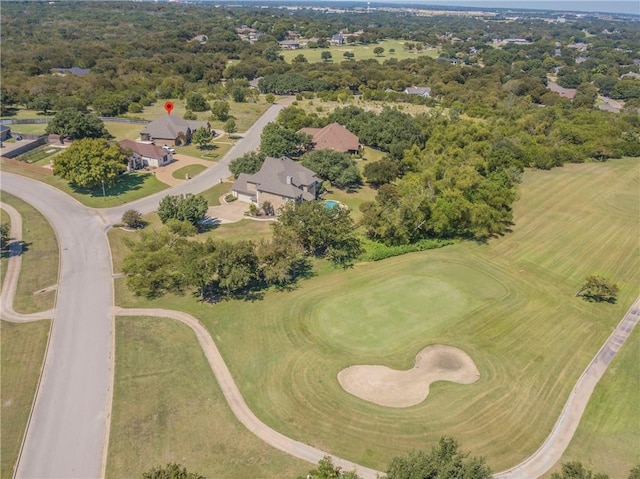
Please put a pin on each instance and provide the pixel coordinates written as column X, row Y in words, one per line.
column 220, row 110
column 445, row 460
column 338, row 168
column 191, row 208
column 327, row 470
column 202, row 136
column 575, row 470
column 171, row 471
column 77, row 124
column 249, row 163
column 90, row 163
column 277, row 141
column 320, row 231
column 196, row 102
column 153, row 264
column 5, row 229
column 598, row 288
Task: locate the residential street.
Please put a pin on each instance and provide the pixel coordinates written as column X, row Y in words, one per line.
column 67, row 432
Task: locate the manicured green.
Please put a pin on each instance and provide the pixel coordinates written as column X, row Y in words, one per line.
column 511, row 307
column 39, row 261
column 21, row 356
column 132, row 186
column 607, row 438
column 191, row 170
column 168, row 407
column 361, row 52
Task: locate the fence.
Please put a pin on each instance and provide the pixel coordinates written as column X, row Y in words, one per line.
column 107, row 119
column 27, row 166
column 26, row 147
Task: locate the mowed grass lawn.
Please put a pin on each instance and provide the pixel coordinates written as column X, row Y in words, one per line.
column 39, row 259
column 21, row 355
column 361, row 52
column 509, row 304
column 169, row 408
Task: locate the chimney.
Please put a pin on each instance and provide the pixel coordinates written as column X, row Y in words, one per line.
column 289, row 180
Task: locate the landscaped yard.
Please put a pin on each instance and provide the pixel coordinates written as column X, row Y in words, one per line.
column 22, row 349
column 361, row 52
column 509, row 304
column 39, row 260
column 168, row 407
column 131, row 187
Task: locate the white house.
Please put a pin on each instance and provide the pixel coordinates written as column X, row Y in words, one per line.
column 145, row 154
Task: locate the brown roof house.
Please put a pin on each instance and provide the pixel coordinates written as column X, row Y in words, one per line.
column 333, row 137
column 279, row 180
column 171, row 130
column 144, row 154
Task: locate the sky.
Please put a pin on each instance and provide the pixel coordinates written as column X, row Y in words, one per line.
column 611, row 6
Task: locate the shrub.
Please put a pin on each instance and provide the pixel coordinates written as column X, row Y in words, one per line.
column 132, row 219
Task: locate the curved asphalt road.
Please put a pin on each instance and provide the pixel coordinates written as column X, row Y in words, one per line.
column 68, row 429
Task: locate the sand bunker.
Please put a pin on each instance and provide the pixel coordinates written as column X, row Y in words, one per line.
column 392, row 388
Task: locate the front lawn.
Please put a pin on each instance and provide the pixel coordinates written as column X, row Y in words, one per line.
column 131, row 187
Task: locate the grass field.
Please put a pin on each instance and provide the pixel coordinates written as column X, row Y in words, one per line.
column 168, row 408
column 509, row 304
column 361, row 52
column 324, row 108
column 131, row 187
column 39, row 261
column 191, row 170
column 611, row 421
column 22, row 352
column 124, row 131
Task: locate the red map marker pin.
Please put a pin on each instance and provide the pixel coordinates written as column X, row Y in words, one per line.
column 169, row 107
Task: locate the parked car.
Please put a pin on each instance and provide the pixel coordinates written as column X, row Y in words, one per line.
column 168, row 148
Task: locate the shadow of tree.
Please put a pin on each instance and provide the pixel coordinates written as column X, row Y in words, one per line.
column 14, row 248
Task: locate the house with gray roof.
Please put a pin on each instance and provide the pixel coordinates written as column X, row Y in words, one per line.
column 172, row 130
column 423, row 91
column 279, row 180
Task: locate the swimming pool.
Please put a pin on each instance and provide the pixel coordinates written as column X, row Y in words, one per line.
column 331, row 204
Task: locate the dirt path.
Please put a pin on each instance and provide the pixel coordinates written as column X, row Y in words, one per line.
column 554, row 446
column 13, row 273
column 235, row 399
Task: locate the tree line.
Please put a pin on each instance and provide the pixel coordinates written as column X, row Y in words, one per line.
column 168, row 261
